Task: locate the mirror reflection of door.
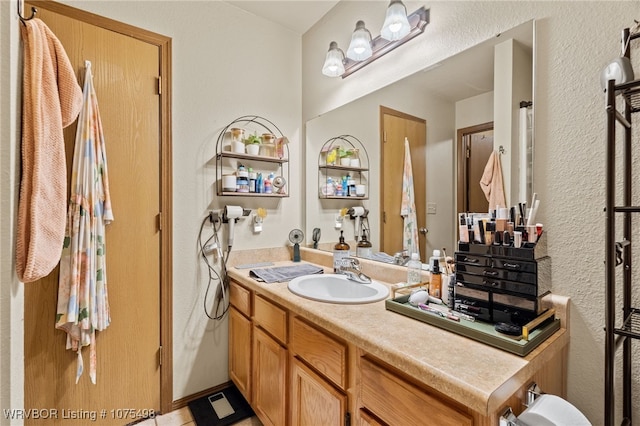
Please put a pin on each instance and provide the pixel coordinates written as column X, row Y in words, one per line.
column 475, row 145
column 395, row 126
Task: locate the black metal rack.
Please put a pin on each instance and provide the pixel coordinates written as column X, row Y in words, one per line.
column 620, row 252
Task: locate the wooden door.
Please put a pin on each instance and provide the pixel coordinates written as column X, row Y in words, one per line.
column 395, row 127
column 475, row 145
column 240, row 333
column 313, row 400
column 269, row 379
column 126, row 72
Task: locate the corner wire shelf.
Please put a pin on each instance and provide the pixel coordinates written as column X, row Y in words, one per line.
column 631, row 325
column 259, row 123
column 620, row 253
column 338, row 141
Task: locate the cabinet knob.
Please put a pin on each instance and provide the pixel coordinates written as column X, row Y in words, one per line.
column 423, row 230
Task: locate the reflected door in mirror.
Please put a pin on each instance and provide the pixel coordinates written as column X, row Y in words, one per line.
column 395, row 127
column 475, row 145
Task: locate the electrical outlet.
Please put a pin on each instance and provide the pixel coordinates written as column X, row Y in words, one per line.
column 207, row 249
column 214, row 216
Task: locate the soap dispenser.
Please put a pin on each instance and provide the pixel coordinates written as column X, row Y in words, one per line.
column 340, row 251
column 363, row 249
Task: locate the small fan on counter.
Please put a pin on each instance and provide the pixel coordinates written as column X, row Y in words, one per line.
column 296, row 236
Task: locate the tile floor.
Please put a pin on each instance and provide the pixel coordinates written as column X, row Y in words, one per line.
column 182, row 417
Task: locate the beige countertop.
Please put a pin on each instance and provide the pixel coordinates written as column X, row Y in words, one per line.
column 476, row 375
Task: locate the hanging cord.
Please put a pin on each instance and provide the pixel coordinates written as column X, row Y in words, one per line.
column 221, row 296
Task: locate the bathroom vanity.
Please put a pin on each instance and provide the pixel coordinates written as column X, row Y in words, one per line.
column 299, row 361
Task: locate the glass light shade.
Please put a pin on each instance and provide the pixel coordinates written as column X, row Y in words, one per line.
column 396, row 25
column 360, row 46
column 334, row 62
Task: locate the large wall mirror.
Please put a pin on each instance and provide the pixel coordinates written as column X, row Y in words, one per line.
column 473, row 94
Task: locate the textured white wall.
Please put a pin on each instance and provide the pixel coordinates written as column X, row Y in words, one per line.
column 575, row 41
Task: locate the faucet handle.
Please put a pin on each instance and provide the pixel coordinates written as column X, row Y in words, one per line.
column 351, row 262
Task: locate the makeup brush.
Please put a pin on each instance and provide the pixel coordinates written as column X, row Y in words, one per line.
column 446, row 264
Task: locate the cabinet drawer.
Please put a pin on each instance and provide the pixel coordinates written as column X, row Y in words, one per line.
column 240, row 298
column 271, row 318
column 324, row 353
column 397, row 402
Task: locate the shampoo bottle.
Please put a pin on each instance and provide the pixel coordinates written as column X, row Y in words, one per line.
column 340, row 251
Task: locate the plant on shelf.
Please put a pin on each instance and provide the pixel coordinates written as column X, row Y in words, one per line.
column 346, row 154
column 252, row 144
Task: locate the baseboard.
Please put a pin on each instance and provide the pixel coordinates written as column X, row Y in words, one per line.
column 182, row 402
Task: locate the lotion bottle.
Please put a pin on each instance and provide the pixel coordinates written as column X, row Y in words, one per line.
column 340, row 251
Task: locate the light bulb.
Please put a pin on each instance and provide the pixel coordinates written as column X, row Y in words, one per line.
column 396, row 25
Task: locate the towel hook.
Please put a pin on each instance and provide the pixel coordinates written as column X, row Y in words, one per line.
column 501, row 149
column 21, row 9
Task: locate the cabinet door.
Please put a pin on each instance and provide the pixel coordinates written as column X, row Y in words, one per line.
column 240, row 332
column 269, row 379
column 313, row 400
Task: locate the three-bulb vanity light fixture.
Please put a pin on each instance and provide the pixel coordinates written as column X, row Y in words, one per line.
column 398, row 28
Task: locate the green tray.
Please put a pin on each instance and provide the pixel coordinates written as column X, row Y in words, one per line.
column 479, row 331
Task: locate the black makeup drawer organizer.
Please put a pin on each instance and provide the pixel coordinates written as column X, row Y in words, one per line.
column 502, row 284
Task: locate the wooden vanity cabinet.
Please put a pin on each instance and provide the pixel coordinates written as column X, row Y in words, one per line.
column 291, row 372
column 295, row 373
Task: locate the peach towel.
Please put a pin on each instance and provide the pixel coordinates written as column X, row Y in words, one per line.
column 51, row 101
column 491, row 182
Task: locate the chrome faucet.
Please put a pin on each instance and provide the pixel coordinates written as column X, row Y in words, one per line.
column 350, row 267
column 401, row 258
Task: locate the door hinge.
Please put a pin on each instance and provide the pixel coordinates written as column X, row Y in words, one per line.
column 159, row 85
column 384, row 136
column 468, row 153
column 160, row 355
column 159, row 221
column 384, row 217
column 347, row 419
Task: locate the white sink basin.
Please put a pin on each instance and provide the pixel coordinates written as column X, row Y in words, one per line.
column 336, row 288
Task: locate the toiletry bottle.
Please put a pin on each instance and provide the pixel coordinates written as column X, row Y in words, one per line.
column 464, row 230
column 435, row 256
column 414, row 270
column 451, row 291
column 340, row 251
column 345, row 185
column 435, row 285
column 328, row 189
column 363, row 249
column 267, row 184
column 252, row 180
column 259, row 183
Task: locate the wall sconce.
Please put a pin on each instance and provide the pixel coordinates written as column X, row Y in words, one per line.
column 395, row 32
